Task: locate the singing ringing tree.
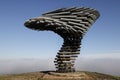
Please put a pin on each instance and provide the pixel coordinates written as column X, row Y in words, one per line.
column 71, row 24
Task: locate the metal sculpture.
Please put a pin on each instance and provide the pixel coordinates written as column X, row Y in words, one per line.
column 71, row 24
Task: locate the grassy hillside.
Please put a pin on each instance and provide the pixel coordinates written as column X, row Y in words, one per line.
column 59, row 76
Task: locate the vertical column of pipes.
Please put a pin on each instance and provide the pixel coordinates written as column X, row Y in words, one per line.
column 65, row 58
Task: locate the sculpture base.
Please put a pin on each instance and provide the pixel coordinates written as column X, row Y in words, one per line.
column 68, row 76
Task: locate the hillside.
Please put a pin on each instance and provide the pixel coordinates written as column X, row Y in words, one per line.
column 47, row 75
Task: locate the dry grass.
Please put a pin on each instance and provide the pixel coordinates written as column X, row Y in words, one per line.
column 59, row 76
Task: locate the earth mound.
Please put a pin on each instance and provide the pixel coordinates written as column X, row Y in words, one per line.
column 51, row 75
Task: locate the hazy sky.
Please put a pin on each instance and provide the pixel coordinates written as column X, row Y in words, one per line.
column 18, row 42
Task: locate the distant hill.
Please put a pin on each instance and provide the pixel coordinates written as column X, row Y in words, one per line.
column 49, row 75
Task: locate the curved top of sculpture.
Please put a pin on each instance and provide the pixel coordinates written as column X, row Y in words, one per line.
column 65, row 21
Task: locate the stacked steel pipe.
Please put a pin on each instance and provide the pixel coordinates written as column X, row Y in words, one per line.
column 71, row 24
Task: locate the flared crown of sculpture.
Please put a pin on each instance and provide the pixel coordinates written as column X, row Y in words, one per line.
column 65, row 20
